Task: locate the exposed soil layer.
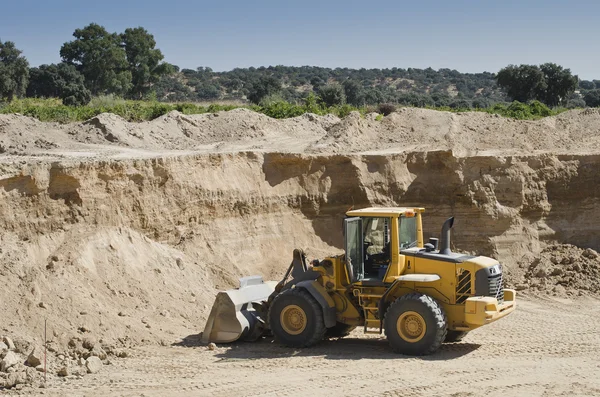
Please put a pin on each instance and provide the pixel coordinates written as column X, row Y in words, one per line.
column 124, row 232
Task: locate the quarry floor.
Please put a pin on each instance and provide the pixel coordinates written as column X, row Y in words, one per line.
column 548, row 347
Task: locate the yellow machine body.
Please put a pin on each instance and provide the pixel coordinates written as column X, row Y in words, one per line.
column 421, row 294
column 453, row 285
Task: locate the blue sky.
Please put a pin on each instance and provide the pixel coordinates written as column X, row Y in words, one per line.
column 469, row 36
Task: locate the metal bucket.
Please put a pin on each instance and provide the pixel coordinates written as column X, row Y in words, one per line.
column 233, row 315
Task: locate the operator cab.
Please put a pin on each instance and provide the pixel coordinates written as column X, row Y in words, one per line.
column 374, row 238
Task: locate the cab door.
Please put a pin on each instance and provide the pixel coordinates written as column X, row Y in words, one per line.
column 353, row 244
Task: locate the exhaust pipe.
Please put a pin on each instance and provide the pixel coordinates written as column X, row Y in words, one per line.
column 445, row 237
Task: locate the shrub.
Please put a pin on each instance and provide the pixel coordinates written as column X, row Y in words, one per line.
column 386, row 109
column 332, row 95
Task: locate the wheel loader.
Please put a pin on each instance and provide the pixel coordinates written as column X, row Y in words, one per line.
column 387, row 281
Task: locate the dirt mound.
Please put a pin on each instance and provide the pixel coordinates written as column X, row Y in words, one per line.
column 562, row 270
column 403, row 131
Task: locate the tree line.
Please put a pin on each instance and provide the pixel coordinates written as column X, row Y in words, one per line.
column 128, row 64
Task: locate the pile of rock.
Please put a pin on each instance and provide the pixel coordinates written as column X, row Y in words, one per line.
column 17, row 368
column 562, row 269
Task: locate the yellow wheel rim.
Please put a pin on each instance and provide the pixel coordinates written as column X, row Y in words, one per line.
column 293, row 319
column 411, row 326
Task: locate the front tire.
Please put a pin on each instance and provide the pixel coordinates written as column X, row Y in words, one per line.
column 296, row 319
column 415, row 324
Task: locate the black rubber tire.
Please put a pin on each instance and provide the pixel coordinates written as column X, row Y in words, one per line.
column 435, row 320
column 339, row 330
column 315, row 324
column 455, row 336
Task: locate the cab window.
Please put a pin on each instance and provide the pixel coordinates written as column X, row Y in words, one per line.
column 408, row 232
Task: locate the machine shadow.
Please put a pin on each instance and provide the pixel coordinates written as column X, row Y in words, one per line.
column 348, row 348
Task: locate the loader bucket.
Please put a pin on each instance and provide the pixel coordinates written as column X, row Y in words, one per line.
column 233, row 316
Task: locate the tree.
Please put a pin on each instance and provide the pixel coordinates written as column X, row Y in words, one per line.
column 332, row 94
column 587, row 85
column 14, row 71
column 354, row 92
column 144, row 60
column 266, row 86
column 559, row 84
column 58, row 81
column 521, row 83
column 592, row 98
column 548, row 83
column 98, row 55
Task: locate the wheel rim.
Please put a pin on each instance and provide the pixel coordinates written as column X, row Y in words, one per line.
column 293, row 319
column 411, row 326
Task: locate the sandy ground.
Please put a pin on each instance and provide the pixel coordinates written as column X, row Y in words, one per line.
column 548, row 347
column 122, row 233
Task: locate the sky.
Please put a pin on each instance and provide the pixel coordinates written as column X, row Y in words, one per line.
column 469, row 36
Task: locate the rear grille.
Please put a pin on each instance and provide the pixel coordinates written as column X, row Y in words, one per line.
column 496, row 287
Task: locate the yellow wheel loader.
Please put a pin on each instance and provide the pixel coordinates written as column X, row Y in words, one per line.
column 388, row 280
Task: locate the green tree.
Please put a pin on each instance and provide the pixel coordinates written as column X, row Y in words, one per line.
column 521, row 83
column 266, row 86
column 58, row 81
column 592, row 98
column 14, row 71
column 99, row 56
column 559, row 84
column 144, row 60
column 332, row 94
column 354, row 92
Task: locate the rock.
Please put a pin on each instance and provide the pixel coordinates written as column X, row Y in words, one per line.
column 557, row 271
column 541, row 273
column 179, row 262
column 521, row 287
column 89, row 343
column 3, row 347
column 64, row 371
column 35, row 357
column 93, row 365
column 30, row 374
column 9, row 343
column 61, row 357
column 559, row 289
column 39, row 368
column 590, row 253
column 122, row 354
column 14, row 379
column 8, row 361
column 81, row 361
column 212, row 346
column 42, row 305
column 21, row 345
column 96, row 352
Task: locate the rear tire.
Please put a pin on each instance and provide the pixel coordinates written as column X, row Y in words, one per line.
column 339, row 330
column 296, row 319
column 415, row 324
column 455, row 336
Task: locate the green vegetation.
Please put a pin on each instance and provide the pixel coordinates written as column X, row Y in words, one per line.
column 139, row 110
column 101, row 67
column 14, row 72
column 548, row 83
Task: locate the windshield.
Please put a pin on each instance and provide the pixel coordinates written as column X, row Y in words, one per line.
column 408, row 232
